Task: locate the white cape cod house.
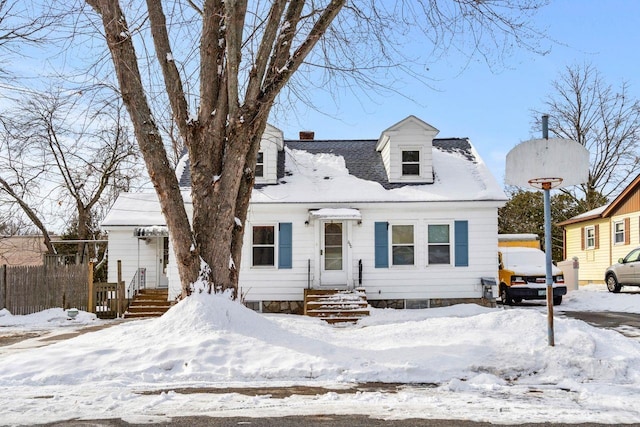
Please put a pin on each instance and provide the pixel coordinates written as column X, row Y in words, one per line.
column 409, row 218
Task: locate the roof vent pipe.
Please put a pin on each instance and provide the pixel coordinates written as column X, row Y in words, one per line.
column 545, row 126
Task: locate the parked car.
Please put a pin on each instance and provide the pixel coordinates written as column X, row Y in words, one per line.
column 522, row 272
column 626, row 272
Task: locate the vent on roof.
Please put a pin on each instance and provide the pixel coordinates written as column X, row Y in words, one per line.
column 307, row 135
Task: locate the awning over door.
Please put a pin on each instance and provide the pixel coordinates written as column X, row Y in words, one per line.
column 151, row 231
column 337, row 214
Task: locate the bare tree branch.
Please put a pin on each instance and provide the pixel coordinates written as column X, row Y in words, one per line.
column 605, row 120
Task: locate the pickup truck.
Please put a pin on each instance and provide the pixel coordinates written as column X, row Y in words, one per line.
column 522, row 274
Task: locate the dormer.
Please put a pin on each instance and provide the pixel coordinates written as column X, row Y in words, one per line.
column 406, row 150
column 267, row 163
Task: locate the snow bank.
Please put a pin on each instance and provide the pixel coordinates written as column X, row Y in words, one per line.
column 480, row 359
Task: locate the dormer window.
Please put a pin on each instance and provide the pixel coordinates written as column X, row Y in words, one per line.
column 406, row 149
column 410, row 163
column 260, row 165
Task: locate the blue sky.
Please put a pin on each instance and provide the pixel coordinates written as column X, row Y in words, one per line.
column 493, row 107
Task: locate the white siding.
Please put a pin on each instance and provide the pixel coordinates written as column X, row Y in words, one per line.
column 416, row 282
column 385, row 153
column 270, row 144
column 420, row 281
column 270, row 159
column 133, row 254
column 271, row 283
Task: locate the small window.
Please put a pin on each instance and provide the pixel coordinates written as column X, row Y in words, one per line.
column 411, row 162
column 590, row 237
column 439, row 244
column 260, row 165
column 402, row 247
column 618, row 230
column 264, row 247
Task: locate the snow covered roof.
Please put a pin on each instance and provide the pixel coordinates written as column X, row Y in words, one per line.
column 517, row 237
column 341, row 171
column 353, row 171
column 585, row 216
column 137, row 209
column 336, row 214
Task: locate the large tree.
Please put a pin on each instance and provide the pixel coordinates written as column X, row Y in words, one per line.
column 605, row 119
column 246, row 54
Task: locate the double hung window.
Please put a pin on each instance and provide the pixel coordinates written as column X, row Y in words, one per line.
column 260, row 165
column 439, row 244
column 263, row 245
column 402, row 245
column 410, row 162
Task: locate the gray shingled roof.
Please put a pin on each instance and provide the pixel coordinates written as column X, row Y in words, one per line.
column 360, row 156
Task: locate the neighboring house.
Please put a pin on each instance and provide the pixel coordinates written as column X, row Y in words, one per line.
column 22, row 250
column 600, row 237
column 409, row 218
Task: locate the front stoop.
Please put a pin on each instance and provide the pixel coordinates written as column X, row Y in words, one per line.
column 336, row 306
column 148, row 303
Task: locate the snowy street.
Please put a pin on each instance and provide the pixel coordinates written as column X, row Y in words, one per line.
column 464, row 362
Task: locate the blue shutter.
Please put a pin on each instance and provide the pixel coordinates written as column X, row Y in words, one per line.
column 285, row 252
column 382, row 244
column 461, row 231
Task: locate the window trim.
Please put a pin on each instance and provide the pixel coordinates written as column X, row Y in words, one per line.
column 622, row 232
column 587, row 245
column 275, row 246
column 451, row 244
column 258, row 163
column 403, row 163
column 392, row 245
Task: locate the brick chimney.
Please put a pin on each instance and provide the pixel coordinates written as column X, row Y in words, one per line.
column 307, row 135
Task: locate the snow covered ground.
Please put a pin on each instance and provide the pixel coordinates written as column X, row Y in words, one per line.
column 466, row 362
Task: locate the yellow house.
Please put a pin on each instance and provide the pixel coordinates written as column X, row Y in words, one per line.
column 600, row 237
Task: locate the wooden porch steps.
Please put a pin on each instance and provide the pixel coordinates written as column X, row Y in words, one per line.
column 148, row 303
column 336, row 306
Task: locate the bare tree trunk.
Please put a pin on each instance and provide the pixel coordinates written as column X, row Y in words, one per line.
column 161, row 173
column 223, row 142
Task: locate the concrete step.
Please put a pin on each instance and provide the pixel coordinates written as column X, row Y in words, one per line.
column 336, row 306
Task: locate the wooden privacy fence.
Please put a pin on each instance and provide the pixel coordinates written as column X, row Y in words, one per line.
column 29, row 289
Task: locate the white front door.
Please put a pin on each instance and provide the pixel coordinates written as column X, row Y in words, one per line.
column 333, row 254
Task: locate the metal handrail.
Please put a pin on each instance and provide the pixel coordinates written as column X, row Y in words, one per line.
column 138, row 282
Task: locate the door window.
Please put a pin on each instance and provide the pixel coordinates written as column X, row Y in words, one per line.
column 333, row 246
